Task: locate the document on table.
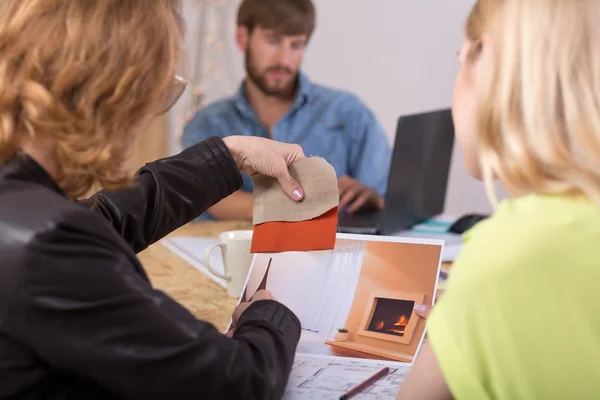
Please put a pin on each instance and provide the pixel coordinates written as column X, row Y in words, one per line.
column 327, row 378
column 192, row 249
column 347, row 287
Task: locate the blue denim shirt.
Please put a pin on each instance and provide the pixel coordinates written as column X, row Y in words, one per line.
column 328, row 123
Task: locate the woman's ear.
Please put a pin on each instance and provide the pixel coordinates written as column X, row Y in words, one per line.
column 486, row 50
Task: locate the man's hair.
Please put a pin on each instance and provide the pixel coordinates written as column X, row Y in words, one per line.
column 81, row 75
column 288, row 17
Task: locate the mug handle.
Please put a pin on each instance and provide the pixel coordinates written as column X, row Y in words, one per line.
column 207, row 261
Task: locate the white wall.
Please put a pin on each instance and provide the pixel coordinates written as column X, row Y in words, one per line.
column 399, row 56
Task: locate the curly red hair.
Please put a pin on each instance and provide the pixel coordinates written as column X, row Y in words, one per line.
column 82, row 75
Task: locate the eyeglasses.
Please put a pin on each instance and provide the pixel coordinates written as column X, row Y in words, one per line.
column 174, row 93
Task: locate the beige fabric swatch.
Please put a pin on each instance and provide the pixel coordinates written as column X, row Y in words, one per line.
column 318, row 179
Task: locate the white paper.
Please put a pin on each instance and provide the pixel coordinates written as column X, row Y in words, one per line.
column 320, row 288
column 192, row 250
column 289, row 277
column 326, row 378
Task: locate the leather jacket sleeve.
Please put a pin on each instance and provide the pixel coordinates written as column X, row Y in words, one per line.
column 84, row 309
column 169, row 193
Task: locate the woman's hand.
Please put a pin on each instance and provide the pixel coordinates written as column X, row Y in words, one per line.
column 239, row 310
column 268, row 157
column 423, row 310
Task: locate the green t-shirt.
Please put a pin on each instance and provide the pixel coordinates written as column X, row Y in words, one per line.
column 520, row 318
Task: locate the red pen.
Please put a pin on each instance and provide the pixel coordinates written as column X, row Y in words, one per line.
column 365, row 384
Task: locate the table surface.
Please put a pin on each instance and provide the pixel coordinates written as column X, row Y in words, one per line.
column 194, row 290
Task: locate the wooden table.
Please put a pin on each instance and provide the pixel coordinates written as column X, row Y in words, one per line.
column 197, row 292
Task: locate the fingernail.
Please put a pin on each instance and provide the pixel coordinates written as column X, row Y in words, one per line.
column 297, row 194
column 421, row 308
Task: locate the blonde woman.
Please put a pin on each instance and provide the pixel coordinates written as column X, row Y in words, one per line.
column 520, row 318
column 79, row 82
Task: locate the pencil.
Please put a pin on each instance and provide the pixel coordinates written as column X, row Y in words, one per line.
column 365, row 384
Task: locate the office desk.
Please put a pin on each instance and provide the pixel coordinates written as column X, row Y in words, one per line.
column 197, row 292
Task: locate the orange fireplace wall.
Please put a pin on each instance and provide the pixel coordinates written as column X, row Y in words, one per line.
column 393, row 267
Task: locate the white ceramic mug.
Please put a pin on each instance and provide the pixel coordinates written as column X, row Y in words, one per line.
column 235, row 247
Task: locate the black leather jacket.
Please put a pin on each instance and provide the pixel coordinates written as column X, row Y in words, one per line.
column 78, row 316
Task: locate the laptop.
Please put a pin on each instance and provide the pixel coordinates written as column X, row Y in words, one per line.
column 417, row 179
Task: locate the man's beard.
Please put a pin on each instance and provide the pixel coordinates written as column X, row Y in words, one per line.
column 260, row 80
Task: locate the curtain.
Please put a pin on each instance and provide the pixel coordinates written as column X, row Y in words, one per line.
column 215, row 64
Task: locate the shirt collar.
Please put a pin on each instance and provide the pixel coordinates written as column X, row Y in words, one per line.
column 303, row 95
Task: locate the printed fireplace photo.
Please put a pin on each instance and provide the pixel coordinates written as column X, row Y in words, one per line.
column 390, row 316
column 356, row 301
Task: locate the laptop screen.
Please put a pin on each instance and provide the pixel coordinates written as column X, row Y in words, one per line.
column 419, row 170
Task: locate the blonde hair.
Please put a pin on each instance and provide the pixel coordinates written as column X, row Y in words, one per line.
column 82, row 75
column 539, row 99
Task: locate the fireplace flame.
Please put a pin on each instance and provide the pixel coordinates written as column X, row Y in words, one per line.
column 397, row 327
column 402, row 321
column 390, row 316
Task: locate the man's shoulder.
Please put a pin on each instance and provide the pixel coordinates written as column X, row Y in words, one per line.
column 222, row 108
column 330, row 95
column 214, row 119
